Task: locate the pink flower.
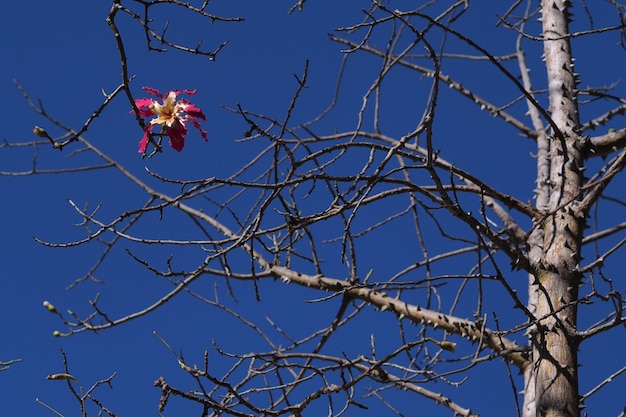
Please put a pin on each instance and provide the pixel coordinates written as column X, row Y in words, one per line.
column 171, row 115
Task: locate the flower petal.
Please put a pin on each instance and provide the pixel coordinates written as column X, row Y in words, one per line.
column 152, row 91
column 143, row 143
column 144, row 106
column 197, row 126
column 187, row 92
column 191, row 109
column 177, row 134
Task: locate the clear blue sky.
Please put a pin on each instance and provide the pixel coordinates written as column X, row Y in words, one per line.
column 65, row 55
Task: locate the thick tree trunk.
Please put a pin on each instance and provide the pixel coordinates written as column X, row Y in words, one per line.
column 554, row 340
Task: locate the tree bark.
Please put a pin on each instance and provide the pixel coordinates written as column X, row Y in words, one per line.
column 557, row 275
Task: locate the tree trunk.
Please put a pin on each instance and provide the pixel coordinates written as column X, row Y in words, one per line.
column 557, row 275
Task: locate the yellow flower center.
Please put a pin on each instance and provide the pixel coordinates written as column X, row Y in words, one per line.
column 168, row 112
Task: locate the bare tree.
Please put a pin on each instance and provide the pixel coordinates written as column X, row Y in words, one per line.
column 303, row 210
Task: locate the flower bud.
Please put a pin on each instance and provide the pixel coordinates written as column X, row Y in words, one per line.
column 62, row 377
column 41, row 132
column 50, row 307
column 56, row 333
column 449, row 346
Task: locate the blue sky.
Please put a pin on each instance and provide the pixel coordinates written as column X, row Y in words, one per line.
column 65, row 55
